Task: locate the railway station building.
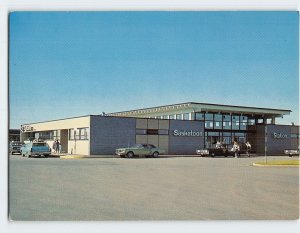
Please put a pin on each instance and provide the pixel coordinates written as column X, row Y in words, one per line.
column 178, row 128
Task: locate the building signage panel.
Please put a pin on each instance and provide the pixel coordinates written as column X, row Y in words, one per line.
column 187, row 133
column 26, row 128
column 279, row 135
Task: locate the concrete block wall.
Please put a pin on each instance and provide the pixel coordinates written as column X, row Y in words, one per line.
column 109, row 133
column 185, row 144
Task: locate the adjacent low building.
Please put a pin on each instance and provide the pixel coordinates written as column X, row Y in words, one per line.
column 179, row 129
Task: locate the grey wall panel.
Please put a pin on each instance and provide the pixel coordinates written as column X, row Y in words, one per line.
column 109, row 133
column 281, row 140
column 275, row 143
column 185, row 144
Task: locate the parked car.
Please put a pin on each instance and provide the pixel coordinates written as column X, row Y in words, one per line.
column 223, row 150
column 214, row 151
column 147, row 150
column 291, row 152
column 36, row 149
column 15, row 147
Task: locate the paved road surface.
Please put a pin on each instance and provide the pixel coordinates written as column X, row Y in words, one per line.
column 190, row 188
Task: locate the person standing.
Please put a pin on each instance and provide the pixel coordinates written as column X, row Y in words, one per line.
column 236, row 149
column 57, row 146
column 54, row 146
column 248, row 145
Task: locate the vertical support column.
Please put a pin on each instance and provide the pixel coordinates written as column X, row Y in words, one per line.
column 192, row 116
column 273, row 120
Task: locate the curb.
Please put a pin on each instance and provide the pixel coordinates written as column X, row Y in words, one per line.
column 269, row 165
column 73, row 156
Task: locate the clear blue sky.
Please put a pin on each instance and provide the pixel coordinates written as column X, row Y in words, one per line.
column 65, row 64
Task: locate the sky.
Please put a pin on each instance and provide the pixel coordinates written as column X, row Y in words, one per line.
column 67, row 64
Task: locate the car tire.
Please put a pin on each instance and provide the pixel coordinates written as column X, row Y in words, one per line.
column 212, row 155
column 155, row 154
column 130, row 154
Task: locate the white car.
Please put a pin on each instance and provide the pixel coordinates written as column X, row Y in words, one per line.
column 290, row 153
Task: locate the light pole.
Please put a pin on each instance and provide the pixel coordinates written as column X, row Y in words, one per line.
column 75, row 131
column 266, row 142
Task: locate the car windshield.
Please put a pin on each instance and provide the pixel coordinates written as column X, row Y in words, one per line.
column 39, row 144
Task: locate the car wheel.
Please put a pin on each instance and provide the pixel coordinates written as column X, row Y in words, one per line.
column 46, row 156
column 212, row 155
column 155, row 154
column 130, row 154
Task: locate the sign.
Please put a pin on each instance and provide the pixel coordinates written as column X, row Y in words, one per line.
column 187, row 133
column 26, row 128
column 279, row 135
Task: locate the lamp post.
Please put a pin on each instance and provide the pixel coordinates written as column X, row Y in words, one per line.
column 266, row 142
column 75, row 131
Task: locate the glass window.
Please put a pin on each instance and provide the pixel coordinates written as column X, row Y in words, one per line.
column 218, row 125
column 140, row 132
column 251, row 121
column 165, row 117
column 199, row 116
column 209, row 116
column 172, row 116
column 218, row 117
column 152, row 131
column 158, row 117
column 235, row 122
column 226, row 117
column 179, row 116
column 186, row 116
column 163, row 132
column 226, row 124
column 82, row 134
column 71, row 134
column 209, row 124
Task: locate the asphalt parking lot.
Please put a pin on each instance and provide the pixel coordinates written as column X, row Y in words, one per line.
column 176, row 188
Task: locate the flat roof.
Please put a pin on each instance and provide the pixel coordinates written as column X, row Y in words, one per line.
column 205, row 107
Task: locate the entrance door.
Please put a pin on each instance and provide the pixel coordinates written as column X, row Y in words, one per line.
column 64, row 140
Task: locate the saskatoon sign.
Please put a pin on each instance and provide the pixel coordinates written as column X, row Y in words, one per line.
column 187, row 133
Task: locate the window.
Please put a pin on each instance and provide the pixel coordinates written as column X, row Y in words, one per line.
column 152, row 131
column 218, row 117
column 243, row 123
column 83, row 133
column 186, row 116
column 163, row 132
column 209, row 116
column 235, row 122
column 71, row 134
column 165, row 117
column 209, row 124
column 199, row 116
column 218, row 125
column 140, row 132
column 172, row 116
column 79, row 134
column 179, row 116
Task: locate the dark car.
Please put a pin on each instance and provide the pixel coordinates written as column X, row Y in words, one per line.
column 15, row 147
column 215, row 151
column 224, row 150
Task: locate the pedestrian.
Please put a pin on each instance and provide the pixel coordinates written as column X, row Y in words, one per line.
column 57, row 146
column 54, row 146
column 248, row 145
column 236, row 149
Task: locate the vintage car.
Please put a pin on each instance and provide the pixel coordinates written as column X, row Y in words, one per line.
column 215, row 151
column 147, row 150
column 15, row 147
column 35, row 149
column 291, row 152
column 224, row 150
